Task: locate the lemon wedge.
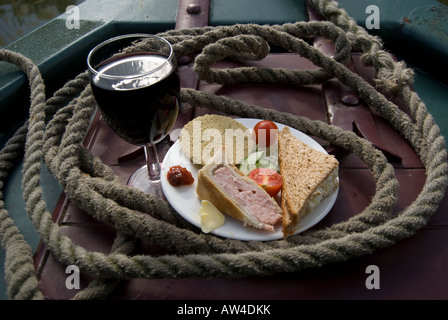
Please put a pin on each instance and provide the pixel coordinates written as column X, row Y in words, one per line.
column 211, row 217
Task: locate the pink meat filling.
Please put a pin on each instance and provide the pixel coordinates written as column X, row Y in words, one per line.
column 255, row 200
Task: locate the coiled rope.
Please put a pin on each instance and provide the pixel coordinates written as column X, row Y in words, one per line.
column 54, row 133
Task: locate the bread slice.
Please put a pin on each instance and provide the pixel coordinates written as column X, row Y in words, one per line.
column 308, row 175
column 237, row 196
column 204, row 136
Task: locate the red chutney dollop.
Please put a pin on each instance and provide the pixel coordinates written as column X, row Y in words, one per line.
column 178, row 176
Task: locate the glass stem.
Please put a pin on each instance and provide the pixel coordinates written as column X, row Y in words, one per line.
column 152, row 162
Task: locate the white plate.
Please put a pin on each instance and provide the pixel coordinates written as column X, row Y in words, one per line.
column 185, row 201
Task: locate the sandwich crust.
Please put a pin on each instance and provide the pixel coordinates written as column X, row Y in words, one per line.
column 308, row 177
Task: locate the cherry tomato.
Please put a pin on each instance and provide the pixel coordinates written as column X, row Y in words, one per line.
column 270, row 180
column 265, row 133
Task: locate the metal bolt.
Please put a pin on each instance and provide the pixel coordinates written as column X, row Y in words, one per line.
column 193, row 8
column 350, row 99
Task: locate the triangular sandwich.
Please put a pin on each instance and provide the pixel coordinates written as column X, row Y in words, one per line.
column 308, row 175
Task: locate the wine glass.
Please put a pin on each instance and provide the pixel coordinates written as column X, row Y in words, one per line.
column 135, row 82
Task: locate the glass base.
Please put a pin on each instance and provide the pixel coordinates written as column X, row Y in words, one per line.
column 140, row 180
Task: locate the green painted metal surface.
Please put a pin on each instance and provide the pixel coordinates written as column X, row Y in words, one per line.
column 230, row 12
column 415, row 30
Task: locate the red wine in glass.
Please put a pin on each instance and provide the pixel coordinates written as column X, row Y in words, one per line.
column 135, row 82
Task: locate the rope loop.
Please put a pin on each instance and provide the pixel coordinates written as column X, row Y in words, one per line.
column 242, row 47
